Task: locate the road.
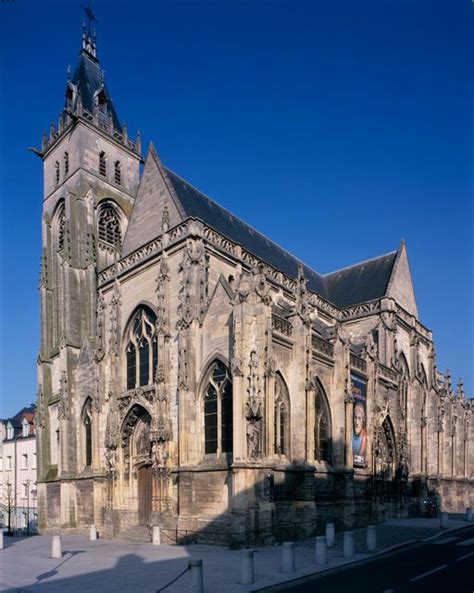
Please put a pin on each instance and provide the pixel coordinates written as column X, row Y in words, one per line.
column 444, row 565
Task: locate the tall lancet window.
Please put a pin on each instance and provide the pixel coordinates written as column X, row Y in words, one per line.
column 322, row 428
column 102, row 164
column 118, row 173
column 66, row 164
column 142, row 348
column 281, row 417
column 61, row 226
column 57, row 172
column 87, row 430
column 218, row 417
column 109, row 226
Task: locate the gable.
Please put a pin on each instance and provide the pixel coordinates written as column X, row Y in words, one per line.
column 152, row 197
column 400, row 287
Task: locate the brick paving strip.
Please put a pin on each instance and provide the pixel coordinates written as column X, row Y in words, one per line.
column 108, row 566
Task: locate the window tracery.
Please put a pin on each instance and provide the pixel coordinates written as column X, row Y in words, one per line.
column 218, row 421
column 142, row 349
column 87, row 425
column 109, row 226
column 281, row 417
column 61, row 227
column 322, row 428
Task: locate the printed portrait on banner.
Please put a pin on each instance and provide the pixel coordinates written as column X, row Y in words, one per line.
column 359, row 421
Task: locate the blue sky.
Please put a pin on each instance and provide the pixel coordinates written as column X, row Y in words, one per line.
column 336, row 128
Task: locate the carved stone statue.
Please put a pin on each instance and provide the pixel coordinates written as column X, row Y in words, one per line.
column 253, row 437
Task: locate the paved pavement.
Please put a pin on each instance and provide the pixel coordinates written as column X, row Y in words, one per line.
column 112, row 566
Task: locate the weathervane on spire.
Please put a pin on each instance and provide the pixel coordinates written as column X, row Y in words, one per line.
column 90, row 17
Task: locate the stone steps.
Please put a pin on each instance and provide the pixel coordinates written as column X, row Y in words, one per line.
column 140, row 534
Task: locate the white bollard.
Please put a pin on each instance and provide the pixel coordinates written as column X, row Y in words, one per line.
column 156, row 537
column 348, row 544
column 1, row 539
column 56, row 547
column 330, row 535
column 247, row 570
column 444, row 520
column 371, row 538
column 288, row 557
column 92, row 533
column 197, row 579
column 469, row 514
column 321, row 550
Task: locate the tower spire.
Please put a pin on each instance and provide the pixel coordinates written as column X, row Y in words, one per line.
column 88, row 37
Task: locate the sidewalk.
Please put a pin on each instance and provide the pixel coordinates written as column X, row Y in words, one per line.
column 108, row 566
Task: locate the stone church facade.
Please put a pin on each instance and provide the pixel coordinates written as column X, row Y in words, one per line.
column 193, row 374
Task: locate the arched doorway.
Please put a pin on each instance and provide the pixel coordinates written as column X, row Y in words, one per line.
column 385, row 460
column 137, row 449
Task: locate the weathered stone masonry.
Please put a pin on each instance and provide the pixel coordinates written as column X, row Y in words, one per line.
column 192, row 374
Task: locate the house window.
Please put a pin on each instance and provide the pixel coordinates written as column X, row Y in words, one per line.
column 118, row 173
column 322, row 428
column 24, row 461
column 26, row 489
column 34, row 461
column 66, row 163
column 218, row 417
column 25, row 429
column 109, row 226
column 142, row 348
column 87, row 426
column 56, row 172
column 281, row 417
column 103, row 164
column 9, row 431
column 9, row 462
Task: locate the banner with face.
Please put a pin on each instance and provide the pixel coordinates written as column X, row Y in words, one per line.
column 359, row 424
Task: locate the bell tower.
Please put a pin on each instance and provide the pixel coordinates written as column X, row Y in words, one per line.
column 91, row 174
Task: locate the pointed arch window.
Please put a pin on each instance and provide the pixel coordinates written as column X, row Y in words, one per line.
column 118, row 173
column 322, row 428
column 61, row 226
column 66, row 164
column 57, row 173
column 103, row 163
column 281, row 417
column 218, row 416
column 87, row 429
column 142, row 349
column 109, row 226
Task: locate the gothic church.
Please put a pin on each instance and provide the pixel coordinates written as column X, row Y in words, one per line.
column 193, row 374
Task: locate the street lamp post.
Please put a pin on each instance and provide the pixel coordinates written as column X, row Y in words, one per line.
column 27, row 507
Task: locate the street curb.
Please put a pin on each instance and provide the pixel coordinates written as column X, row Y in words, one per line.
column 445, row 531
column 329, row 569
column 368, row 558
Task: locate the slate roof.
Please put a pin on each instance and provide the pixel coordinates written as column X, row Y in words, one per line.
column 88, row 78
column 16, row 421
column 356, row 284
column 361, row 282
